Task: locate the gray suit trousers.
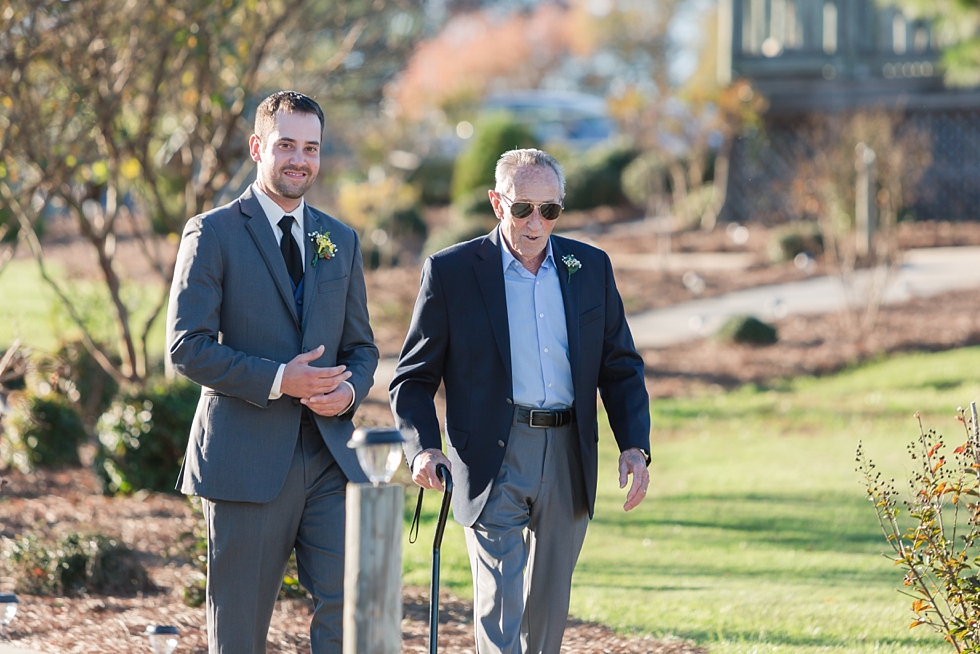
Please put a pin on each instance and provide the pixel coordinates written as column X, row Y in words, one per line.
column 249, row 546
column 524, row 546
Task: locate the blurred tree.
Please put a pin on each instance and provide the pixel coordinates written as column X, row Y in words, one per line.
column 825, row 189
column 131, row 117
column 606, row 48
column 956, row 24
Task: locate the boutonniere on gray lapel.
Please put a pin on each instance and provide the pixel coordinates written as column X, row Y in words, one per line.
column 572, row 264
column 323, row 247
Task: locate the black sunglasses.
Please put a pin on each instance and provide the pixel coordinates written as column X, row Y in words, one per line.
column 549, row 210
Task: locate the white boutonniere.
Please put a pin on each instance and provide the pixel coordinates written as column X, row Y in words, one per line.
column 323, row 247
column 572, row 264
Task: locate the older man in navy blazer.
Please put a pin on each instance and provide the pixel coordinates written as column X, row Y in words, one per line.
column 268, row 313
column 523, row 328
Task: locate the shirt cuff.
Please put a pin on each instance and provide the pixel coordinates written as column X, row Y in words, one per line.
column 276, row 391
column 353, row 397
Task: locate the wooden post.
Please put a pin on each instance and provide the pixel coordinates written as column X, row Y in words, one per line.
column 373, row 570
column 864, row 197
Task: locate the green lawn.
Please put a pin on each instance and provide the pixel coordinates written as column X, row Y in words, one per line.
column 30, row 310
column 756, row 536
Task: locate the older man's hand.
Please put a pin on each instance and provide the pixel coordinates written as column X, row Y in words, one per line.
column 424, row 469
column 632, row 462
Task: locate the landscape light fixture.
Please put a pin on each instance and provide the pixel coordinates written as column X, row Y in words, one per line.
column 8, row 609
column 163, row 639
column 379, row 451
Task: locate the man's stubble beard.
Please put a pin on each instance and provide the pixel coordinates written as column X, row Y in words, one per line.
column 292, row 190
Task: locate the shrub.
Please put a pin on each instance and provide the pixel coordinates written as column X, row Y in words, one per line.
column 41, row 431
column 938, row 551
column 645, row 178
column 493, row 135
column 793, row 238
column 432, row 181
column 32, row 563
column 748, row 330
column 143, row 438
column 476, row 203
column 462, row 227
column 94, row 386
column 115, row 569
column 595, row 179
column 74, row 564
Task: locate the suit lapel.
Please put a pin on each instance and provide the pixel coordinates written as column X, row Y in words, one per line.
column 490, row 276
column 570, row 289
column 311, row 224
column 265, row 240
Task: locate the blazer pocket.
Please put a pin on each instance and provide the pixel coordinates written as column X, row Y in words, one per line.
column 590, row 316
column 457, row 438
column 332, row 285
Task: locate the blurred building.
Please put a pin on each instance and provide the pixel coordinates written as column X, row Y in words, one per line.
column 841, row 56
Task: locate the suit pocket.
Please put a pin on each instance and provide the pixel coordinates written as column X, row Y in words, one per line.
column 332, row 285
column 457, row 438
column 590, row 316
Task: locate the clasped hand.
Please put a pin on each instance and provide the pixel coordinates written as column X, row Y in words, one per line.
column 321, row 389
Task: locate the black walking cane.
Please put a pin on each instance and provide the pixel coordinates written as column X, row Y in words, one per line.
column 447, row 479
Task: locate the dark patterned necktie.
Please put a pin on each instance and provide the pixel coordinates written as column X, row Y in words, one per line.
column 290, row 250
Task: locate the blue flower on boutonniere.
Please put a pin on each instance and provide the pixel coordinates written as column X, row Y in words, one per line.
column 323, row 247
column 573, row 265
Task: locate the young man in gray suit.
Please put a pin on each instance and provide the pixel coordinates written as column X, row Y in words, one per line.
column 522, row 327
column 268, row 314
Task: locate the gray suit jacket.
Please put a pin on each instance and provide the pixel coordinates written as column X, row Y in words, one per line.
column 232, row 320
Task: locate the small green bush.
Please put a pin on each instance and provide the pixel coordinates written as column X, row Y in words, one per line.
column 793, row 238
column 645, row 177
column 76, row 563
column 595, row 180
column 748, row 330
column 462, row 227
column 493, row 135
column 41, row 431
column 432, row 181
column 115, row 569
column 143, row 438
column 32, row 563
column 95, row 387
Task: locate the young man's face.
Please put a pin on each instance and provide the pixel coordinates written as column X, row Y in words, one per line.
column 288, row 159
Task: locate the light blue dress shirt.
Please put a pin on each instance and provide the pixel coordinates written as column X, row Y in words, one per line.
column 538, row 335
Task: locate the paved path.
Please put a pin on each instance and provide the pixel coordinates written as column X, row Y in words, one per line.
column 924, row 272
column 7, row 649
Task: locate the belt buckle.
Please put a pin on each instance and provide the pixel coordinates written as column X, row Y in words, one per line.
column 543, row 413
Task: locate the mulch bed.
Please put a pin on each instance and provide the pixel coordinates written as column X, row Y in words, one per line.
column 58, row 502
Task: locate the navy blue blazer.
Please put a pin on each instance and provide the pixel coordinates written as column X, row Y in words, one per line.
column 460, row 336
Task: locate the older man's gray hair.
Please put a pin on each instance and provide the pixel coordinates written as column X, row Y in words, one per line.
column 512, row 160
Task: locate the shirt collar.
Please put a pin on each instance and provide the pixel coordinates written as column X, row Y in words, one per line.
column 274, row 212
column 507, row 257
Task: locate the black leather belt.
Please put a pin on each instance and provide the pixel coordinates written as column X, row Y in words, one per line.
column 544, row 418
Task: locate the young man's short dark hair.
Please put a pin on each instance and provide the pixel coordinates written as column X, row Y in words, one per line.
column 285, row 101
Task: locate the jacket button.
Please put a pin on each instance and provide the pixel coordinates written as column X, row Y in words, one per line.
column 295, row 401
column 510, row 401
column 501, row 443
